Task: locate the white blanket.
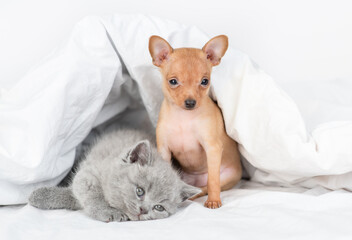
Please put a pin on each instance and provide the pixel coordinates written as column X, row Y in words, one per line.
column 105, row 67
column 251, row 212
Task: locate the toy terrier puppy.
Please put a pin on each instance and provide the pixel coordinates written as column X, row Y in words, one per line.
column 190, row 127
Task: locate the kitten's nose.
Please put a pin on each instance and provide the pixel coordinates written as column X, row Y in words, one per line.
column 143, row 211
column 190, row 103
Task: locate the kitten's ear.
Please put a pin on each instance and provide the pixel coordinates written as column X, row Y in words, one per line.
column 215, row 49
column 188, row 191
column 140, row 153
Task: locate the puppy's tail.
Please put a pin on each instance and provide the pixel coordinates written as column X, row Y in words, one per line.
column 54, row 198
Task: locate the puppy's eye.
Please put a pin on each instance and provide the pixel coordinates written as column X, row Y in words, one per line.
column 159, row 208
column 204, row 82
column 139, row 191
column 173, row 82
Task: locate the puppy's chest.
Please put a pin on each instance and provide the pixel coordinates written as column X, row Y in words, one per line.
column 182, row 139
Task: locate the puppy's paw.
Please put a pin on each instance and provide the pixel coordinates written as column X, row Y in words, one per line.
column 212, row 203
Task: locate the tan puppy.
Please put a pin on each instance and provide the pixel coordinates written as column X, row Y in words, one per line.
column 190, row 127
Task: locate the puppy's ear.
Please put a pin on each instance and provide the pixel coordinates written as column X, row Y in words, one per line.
column 159, row 49
column 215, row 49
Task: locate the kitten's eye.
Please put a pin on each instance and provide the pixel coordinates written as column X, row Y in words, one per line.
column 159, row 208
column 139, row 191
column 204, row 82
column 173, row 82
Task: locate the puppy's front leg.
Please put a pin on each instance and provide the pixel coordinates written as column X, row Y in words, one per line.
column 164, row 152
column 162, row 146
column 213, row 152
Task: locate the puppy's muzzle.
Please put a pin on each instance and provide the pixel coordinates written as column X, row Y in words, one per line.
column 190, row 103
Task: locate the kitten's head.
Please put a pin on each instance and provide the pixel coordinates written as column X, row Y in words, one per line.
column 144, row 186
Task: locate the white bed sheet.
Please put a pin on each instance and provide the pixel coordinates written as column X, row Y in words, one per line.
column 252, row 211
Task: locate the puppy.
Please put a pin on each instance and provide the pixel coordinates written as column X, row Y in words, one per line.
column 190, row 127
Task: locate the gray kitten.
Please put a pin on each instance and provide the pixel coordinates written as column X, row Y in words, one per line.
column 122, row 178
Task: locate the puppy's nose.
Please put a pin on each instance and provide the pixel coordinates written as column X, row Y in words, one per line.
column 190, row 103
column 143, row 211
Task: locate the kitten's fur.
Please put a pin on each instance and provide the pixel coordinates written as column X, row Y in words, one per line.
column 106, row 182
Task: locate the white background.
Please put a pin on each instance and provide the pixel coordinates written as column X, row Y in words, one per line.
column 302, row 40
column 294, row 41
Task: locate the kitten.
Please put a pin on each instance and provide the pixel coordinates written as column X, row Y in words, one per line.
column 122, row 178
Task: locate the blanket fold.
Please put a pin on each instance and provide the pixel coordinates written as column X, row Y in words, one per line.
column 104, row 68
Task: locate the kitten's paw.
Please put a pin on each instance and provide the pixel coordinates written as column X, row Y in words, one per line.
column 109, row 215
column 212, row 203
column 118, row 217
